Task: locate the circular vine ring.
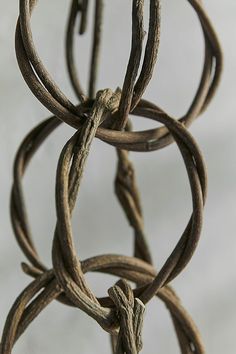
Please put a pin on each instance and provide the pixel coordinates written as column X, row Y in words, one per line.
column 46, row 90
column 44, row 289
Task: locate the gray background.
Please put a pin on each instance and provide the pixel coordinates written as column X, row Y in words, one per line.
column 207, row 287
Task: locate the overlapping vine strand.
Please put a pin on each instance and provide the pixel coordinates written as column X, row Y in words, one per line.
column 107, row 116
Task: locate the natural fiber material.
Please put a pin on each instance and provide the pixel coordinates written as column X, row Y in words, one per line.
column 106, row 115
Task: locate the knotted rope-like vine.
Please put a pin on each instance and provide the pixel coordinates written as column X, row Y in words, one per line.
column 106, row 115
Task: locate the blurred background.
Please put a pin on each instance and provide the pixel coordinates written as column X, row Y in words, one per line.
column 207, row 287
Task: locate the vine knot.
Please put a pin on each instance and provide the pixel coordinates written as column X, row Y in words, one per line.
column 130, row 312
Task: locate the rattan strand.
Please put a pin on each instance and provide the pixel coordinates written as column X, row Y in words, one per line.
column 107, row 116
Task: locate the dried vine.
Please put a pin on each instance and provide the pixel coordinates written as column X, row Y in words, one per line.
column 106, row 115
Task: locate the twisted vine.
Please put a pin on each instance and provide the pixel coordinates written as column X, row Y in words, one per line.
column 107, row 116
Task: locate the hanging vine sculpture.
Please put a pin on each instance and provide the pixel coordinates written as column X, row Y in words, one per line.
column 106, row 115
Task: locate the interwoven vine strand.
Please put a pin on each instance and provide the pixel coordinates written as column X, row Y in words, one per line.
column 107, row 115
